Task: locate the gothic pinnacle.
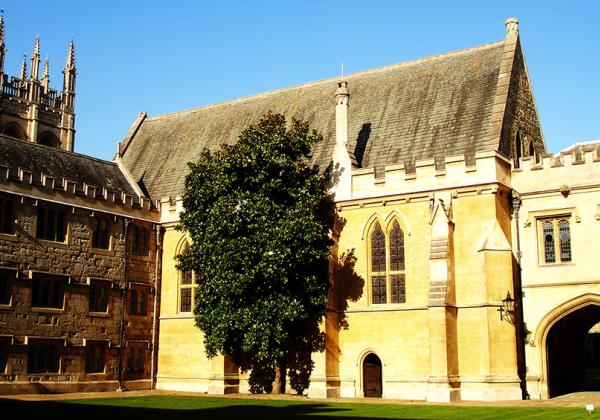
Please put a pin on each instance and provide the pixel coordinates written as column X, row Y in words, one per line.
column 24, row 68
column 2, row 30
column 35, row 59
column 71, row 57
column 36, row 47
column 46, row 74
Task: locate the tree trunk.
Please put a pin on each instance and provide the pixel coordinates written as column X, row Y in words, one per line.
column 279, row 382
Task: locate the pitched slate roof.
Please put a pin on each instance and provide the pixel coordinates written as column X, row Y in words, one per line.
column 428, row 108
column 39, row 159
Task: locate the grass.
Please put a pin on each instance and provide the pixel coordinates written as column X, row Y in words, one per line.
column 166, row 407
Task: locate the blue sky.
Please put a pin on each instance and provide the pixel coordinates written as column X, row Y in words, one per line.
column 160, row 57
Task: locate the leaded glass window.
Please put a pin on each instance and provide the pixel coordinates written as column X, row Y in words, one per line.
column 564, row 236
column 387, row 264
column 548, row 231
column 396, row 248
column 186, row 285
column 379, row 289
column 555, row 241
column 378, row 249
column 398, row 291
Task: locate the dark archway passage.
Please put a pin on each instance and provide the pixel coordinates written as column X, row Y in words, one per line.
column 571, row 353
column 372, row 376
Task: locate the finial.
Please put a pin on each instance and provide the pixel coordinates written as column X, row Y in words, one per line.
column 24, row 68
column 512, row 25
column 71, row 57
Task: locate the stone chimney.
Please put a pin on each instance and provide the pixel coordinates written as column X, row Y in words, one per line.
column 342, row 164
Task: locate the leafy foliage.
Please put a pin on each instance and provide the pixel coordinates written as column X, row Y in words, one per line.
column 259, row 219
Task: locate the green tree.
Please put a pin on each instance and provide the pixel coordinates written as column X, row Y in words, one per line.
column 259, row 218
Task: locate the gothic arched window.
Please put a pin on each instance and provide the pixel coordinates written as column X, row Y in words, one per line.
column 387, row 264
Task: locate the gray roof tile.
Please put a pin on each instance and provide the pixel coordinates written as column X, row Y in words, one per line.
column 435, row 106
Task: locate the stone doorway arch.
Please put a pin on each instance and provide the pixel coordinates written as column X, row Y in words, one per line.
column 569, row 349
column 372, row 376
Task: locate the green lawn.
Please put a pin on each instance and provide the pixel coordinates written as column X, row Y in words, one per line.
column 166, row 407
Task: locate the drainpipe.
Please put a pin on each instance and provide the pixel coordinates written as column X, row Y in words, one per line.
column 127, row 221
column 157, row 284
column 519, row 321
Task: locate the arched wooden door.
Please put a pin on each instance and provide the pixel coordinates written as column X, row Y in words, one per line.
column 372, row 376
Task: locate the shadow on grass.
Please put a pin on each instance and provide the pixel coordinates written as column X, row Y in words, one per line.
column 66, row 410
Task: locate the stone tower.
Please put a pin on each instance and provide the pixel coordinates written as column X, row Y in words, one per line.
column 29, row 109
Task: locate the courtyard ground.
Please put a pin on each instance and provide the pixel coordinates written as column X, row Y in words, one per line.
column 173, row 405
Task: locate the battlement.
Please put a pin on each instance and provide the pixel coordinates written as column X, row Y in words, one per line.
column 576, row 165
column 431, row 174
column 76, row 193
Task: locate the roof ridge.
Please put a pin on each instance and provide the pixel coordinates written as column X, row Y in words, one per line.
column 58, row 150
column 322, row 81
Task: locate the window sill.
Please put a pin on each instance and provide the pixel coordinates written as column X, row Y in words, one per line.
column 55, row 244
column 95, row 314
column 47, row 310
column 559, row 264
column 103, row 251
column 51, row 374
column 8, row 236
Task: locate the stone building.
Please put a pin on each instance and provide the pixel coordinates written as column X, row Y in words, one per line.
column 78, row 243
column 558, row 209
column 474, row 276
column 426, row 151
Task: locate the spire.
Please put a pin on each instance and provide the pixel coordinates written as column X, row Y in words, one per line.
column 35, row 59
column 46, row 75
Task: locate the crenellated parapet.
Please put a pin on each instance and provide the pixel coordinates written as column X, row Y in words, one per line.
column 575, row 166
column 20, row 181
column 431, row 174
column 170, row 207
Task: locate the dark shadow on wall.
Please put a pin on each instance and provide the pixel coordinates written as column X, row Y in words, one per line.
column 348, row 286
